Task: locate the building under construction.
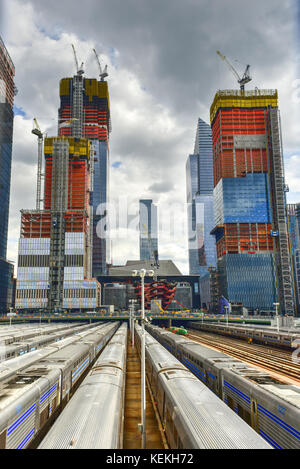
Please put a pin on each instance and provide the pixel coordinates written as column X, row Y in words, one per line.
column 85, row 103
column 59, row 250
column 250, row 200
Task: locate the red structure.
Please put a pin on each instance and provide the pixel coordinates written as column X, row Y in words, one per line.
column 158, row 290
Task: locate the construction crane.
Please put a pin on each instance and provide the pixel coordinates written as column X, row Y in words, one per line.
column 103, row 73
column 80, row 70
column 245, row 78
column 37, row 131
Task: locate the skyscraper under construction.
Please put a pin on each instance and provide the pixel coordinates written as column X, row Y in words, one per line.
column 250, row 199
column 87, row 101
column 61, row 249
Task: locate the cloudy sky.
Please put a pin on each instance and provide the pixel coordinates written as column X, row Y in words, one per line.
column 163, row 74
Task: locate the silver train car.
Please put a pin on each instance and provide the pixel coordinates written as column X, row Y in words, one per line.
column 16, row 349
column 30, row 399
column 8, row 337
column 264, row 336
column 191, row 414
column 94, row 417
column 8, row 368
column 269, row 406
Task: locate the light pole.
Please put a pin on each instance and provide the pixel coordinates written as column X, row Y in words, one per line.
column 277, row 317
column 142, row 273
column 226, row 309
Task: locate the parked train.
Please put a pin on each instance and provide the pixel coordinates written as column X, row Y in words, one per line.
column 261, row 336
column 191, row 414
column 9, row 368
column 10, row 336
column 16, row 349
column 30, row 398
column 269, row 406
column 93, row 418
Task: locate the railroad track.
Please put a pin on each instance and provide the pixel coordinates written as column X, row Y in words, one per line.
column 276, row 361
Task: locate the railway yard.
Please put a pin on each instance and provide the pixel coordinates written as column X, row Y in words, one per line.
column 69, row 386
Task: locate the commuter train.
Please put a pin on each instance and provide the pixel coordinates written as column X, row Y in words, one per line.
column 263, row 336
column 191, row 414
column 16, row 349
column 269, row 406
column 10, row 336
column 9, row 368
column 32, row 396
column 93, row 418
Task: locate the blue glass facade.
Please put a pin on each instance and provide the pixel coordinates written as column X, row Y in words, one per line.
column 7, row 91
column 199, row 179
column 101, row 251
column 242, row 200
column 6, row 132
column 148, row 229
column 248, row 279
column 6, row 285
column 294, row 234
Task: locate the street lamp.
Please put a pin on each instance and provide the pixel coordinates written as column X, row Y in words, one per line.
column 277, row 317
column 226, row 310
column 142, row 273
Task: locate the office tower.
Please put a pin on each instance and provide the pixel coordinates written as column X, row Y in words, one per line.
column 250, row 200
column 294, row 234
column 7, row 93
column 199, row 179
column 148, row 230
column 85, row 102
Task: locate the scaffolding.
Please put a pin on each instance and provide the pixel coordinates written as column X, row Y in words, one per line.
column 282, row 254
column 59, row 203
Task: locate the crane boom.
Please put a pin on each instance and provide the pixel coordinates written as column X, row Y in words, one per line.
column 80, row 70
column 246, row 76
column 103, row 73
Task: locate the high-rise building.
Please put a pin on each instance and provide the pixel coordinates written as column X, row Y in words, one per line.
column 85, row 102
column 250, row 200
column 199, row 180
column 56, row 244
column 148, row 230
column 7, row 93
column 294, row 238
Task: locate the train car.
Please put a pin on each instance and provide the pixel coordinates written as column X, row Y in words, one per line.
column 270, row 406
column 16, row 349
column 9, row 367
column 93, row 418
column 9, row 337
column 191, row 414
column 30, row 399
column 265, row 336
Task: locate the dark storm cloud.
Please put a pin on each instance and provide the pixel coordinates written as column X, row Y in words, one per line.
column 171, row 45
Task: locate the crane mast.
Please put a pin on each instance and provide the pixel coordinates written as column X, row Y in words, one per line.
column 37, row 131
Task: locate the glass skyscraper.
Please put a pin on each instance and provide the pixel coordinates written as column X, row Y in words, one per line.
column 250, row 200
column 199, row 180
column 148, row 230
column 7, row 92
column 294, row 232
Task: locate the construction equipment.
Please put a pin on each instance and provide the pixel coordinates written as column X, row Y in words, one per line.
column 103, row 73
column 79, row 71
column 37, row 131
column 245, row 78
